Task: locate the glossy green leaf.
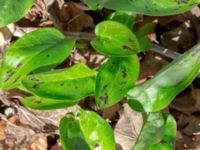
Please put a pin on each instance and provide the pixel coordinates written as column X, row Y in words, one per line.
column 115, row 39
column 124, row 17
column 156, row 93
column 115, row 78
column 13, row 10
column 74, row 83
column 40, row 48
column 142, row 36
column 152, row 131
column 150, row 7
column 158, row 132
column 39, row 103
column 169, row 137
column 86, row 130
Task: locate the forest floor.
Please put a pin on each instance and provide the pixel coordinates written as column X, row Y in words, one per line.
column 24, row 129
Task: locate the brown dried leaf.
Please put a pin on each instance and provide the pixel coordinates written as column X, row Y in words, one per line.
column 128, row 127
column 69, row 17
column 39, row 144
column 151, row 64
column 196, row 95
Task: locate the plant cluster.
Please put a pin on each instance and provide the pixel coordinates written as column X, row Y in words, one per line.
column 29, row 64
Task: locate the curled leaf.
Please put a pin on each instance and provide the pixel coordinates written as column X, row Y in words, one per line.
column 156, row 93
column 86, row 130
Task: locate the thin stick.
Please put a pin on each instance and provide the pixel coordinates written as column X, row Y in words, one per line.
column 155, row 47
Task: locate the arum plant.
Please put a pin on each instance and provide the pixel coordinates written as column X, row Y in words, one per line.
column 30, row 65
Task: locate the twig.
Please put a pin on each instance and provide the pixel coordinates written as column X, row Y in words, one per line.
column 155, row 47
column 164, row 51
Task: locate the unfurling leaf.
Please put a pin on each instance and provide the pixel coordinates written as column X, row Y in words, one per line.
column 156, row 93
column 86, row 130
column 115, row 39
column 115, row 78
column 41, row 48
column 74, row 83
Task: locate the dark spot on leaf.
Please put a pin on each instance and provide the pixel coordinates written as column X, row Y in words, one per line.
column 104, row 99
column 96, row 146
column 36, row 85
column 123, row 82
column 105, row 87
column 131, row 40
column 126, row 47
column 77, row 114
column 113, row 63
column 47, row 55
column 19, row 65
column 32, row 78
column 62, row 84
column 8, row 75
column 37, row 101
column 124, row 74
column 76, row 87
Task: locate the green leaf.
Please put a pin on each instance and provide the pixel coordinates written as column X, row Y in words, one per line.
column 152, row 131
column 124, row 17
column 74, row 83
column 142, row 36
column 158, row 132
column 170, row 129
column 39, row 103
column 115, row 39
column 86, row 130
column 41, row 48
column 150, row 7
column 156, row 93
column 169, row 137
column 115, row 78
column 13, row 10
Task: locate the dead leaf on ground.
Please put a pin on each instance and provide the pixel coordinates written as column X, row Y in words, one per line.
column 39, row 144
column 128, row 127
column 151, row 64
column 196, row 95
column 68, row 17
